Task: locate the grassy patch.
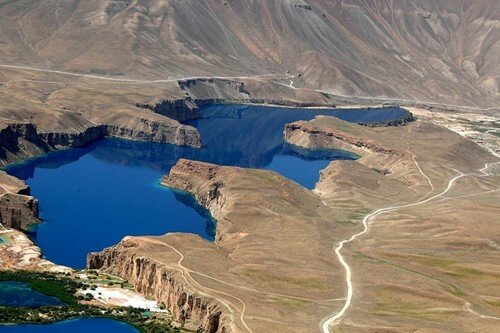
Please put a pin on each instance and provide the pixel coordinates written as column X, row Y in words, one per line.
column 413, row 310
column 454, row 290
column 463, row 271
column 64, row 287
column 363, row 257
column 275, row 279
column 495, row 303
column 59, row 286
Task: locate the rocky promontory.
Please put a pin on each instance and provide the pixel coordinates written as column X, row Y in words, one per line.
column 273, row 238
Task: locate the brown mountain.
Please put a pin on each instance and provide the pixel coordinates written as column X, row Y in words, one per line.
column 440, row 51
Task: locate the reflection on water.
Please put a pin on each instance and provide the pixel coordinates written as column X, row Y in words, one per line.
column 93, row 196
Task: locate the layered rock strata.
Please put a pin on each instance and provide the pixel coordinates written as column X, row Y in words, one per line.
column 161, row 283
column 19, row 141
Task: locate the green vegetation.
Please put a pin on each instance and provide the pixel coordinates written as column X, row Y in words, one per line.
column 65, row 287
column 454, row 290
column 495, row 303
column 57, row 285
column 141, row 319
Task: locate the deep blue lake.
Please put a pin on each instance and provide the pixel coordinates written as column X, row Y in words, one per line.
column 81, row 325
column 15, row 293
column 92, row 197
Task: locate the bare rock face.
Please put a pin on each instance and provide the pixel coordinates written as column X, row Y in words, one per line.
column 19, row 141
column 161, row 283
column 65, row 139
column 302, row 133
column 146, row 130
column 18, row 209
column 178, row 109
column 214, row 89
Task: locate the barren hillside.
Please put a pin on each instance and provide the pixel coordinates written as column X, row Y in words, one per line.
column 441, row 51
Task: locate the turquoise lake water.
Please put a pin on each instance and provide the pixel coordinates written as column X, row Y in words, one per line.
column 81, row 325
column 92, row 197
column 14, row 293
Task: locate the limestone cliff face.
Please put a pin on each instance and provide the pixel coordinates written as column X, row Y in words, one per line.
column 18, row 209
column 163, row 284
column 178, row 109
column 19, row 141
column 65, row 139
column 181, row 135
column 214, row 89
column 303, row 134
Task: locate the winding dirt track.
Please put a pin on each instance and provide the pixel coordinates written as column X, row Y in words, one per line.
column 140, row 81
column 325, row 326
column 272, row 76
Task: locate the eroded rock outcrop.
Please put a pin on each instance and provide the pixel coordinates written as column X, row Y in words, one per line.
column 178, row 109
column 305, row 134
column 67, row 139
column 18, row 209
column 19, row 141
column 162, row 283
column 181, row 135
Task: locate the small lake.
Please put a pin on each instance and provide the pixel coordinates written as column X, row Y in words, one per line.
column 14, row 293
column 92, row 197
column 80, row 325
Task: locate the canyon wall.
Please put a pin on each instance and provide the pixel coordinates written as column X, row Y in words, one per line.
column 19, row 141
column 163, row 284
column 18, row 209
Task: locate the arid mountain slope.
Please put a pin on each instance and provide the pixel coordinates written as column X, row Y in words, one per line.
column 436, row 51
column 425, row 267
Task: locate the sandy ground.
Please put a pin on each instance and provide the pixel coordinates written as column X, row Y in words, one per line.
column 115, row 296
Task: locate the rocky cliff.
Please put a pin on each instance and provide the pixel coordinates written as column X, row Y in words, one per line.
column 162, row 283
column 153, row 131
column 304, row 134
column 178, row 109
column 18, row 209
column 58, row 140
column 19, row 141
column 273, row 236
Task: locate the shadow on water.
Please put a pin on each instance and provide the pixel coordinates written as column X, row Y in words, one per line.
column 190, row 201
column 317, row 154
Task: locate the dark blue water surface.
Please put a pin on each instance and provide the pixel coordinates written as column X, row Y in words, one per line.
column 81, row 325
column 92, row 197
column 14, row 293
